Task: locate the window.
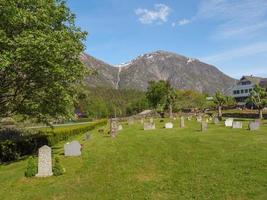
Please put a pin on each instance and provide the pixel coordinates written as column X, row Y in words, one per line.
column 242, row 91
column 237, row 92
column 246, row 90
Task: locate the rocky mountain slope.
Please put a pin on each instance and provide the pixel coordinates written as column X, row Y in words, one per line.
column 182, row 72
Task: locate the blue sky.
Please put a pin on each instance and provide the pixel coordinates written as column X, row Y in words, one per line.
column 230, row 34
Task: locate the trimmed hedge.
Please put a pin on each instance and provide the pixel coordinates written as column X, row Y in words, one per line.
column 15, row 144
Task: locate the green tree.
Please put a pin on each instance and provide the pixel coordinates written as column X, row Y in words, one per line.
column 39, row 58
column 220, row 100
column 161, row 95
column 258, row 97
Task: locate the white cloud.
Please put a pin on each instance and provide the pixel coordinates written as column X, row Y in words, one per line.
column 159, row 14
column 244, row 18
column 249, row 50
column 181, row 22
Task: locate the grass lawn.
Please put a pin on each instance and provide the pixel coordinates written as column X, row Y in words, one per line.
column 220, row 163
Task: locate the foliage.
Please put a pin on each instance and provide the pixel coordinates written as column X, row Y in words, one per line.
column 258, row 97
column 188, row 99
column 57, row 168
column 107, row 102
column 39, row 58
column 31, row 169
column 15, row 144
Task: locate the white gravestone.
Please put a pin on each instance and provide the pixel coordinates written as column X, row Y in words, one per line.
column 169, row 125
column 229, row 122
column 44, row 162
column 237, row 125
column 253, row 126
column 149, row 126
column 120, row 127
column 182, row 122
column 151, row 120
column 72, row 149
column 199, row 119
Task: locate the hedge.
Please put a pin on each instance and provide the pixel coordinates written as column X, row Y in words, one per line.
column 15, row 144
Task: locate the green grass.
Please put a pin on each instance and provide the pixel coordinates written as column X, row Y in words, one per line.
column 220, row 163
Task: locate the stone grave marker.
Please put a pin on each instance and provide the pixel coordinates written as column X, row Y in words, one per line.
column 199, row 119
column 253, row 126
column 216, row 120
column 87, row 136
column 229, row 122
column 182, row 125
column 149, row 126
column 44, row 162
column 142, row 121
column 151, row 120
column 204, row 126
column 113, row 127
column 72, row 149
column 120, row 127
column 130, row 121
column 237, row 125
column 169, row 125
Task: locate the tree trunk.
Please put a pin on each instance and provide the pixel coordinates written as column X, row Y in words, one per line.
column 220, row 113
column 170, row 110
column 260, row 114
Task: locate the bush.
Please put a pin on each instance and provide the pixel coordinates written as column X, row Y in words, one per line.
column 58, row 169
column 31, row 169
column 17, row 143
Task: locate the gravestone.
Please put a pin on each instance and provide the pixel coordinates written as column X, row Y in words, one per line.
column 237, row 125
column 199, row 119
column 120, row 127
column 149, row 126
column 44, row 162
column 142, row 121
column 113, row 127
column 72, row 149
column 216, row 120
column 258, row 121
column 130, row 121
column 169, row 125
column 87, row 136
column 182, row 122
column 253, row 126
column 229, row 122
column 151, row 120
column 204, row 126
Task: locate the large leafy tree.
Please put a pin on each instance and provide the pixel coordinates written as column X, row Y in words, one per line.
column 258, row 98
column 39, row 58
column 161, row 95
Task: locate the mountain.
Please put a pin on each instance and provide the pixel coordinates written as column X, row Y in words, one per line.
column 182, row 72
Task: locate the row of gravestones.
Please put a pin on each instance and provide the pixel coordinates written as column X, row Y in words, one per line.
column 253, row 126
column 45, row 157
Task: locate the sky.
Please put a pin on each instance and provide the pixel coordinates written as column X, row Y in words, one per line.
column 230, row 34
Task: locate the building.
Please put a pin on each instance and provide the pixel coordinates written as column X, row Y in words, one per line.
column 245, row 85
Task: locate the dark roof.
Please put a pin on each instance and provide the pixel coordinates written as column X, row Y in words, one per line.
column 263, row 83
column 253, row 79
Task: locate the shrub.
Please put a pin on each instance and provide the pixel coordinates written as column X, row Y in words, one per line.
column 31, row 169
column 17, row 143
column 58, row 169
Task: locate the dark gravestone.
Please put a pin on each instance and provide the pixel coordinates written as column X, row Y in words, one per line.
column 87, row 136
column 253, row 126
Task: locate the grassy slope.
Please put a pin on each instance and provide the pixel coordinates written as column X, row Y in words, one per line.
column 164, row 164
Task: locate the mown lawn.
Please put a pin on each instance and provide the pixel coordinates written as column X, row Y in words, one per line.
column 221, row 163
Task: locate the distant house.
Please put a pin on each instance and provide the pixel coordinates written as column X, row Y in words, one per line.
column 245, row 85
